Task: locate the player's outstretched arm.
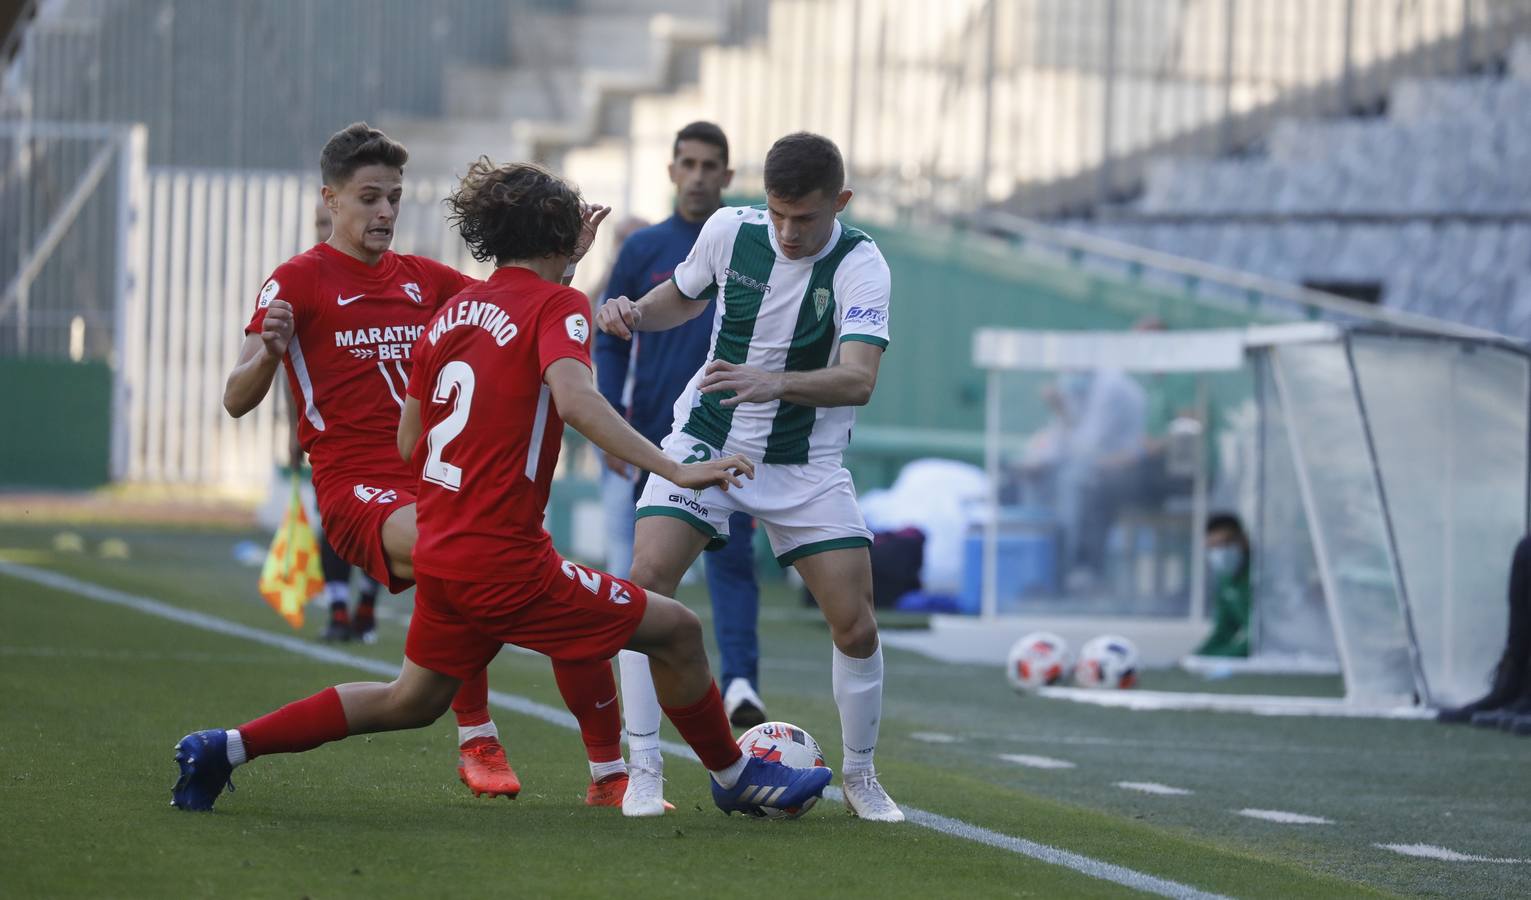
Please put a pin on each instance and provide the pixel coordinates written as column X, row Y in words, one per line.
column 661, row 309
column 259, row 358
column 586, row 411
column 848, row 382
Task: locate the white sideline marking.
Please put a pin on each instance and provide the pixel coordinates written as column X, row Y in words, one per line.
column 936, row 737
column 186, row 656
column 1255, row 704
column 1430, row 851
column 1285, row 818
column 1152, row 787
column 1036, row 762
column 1084, row 865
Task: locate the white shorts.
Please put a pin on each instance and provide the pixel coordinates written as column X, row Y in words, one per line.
column 804, row 509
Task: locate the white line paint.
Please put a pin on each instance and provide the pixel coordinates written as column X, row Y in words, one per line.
column 1084, row 865
column 936, row 737
column 1152, row 787
column 1254, row 704
column 1285, row 818
column 180, row 656
column 1430, row 851
column 1036, row 762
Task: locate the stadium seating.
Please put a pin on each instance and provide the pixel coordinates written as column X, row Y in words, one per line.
column 1432, row 201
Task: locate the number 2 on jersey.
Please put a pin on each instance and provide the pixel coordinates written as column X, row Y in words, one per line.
column 456, row 376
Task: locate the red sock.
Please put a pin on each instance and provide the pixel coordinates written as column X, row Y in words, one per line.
column 704, row 726
column 296, row 727
column 472, row 701
column 590, row 691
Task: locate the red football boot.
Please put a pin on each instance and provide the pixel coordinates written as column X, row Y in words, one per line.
column 610, row 790
column 482, row 767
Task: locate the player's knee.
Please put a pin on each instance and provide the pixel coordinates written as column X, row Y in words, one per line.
column 687, row 631
column 683, row 645
column 415, row 709
column 420, row 714
column 857, row 637
column 649, row 574
column 641, row 573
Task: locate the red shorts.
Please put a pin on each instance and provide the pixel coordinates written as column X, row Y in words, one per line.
column 573, row 613
column 353, row 512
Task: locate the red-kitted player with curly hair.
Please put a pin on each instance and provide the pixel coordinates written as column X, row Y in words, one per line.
column 342, row 318
column 498, row 371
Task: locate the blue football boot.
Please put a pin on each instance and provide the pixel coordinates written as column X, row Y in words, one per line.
column 205, row 770
column 769, row 789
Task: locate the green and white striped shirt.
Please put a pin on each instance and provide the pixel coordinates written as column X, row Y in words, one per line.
column 783, row 315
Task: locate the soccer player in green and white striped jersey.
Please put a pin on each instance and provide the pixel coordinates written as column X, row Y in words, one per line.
column 800, row 329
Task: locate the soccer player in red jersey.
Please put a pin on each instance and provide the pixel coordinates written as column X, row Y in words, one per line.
column 497, row 372
column 343, row 318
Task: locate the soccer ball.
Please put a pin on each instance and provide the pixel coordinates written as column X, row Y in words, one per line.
column 1108, row 661
column 1036, row 660
column 789, row 745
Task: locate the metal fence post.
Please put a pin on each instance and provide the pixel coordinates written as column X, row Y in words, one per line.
column 1347, row 83
column 981, row 195
column 23, row 157
column 1225, row 132
column 1108, row 111
column 855, row 89
column 1465, row 43
column 132, row 287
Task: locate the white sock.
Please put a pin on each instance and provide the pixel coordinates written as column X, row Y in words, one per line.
column 640, row 709
column 727, row 778
column 858, row 694
column 337, row 591
column 236, row 748
column 603, row 769
column 466, row 733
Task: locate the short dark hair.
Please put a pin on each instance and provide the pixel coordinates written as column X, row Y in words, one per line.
column 801, row 163
column 1227, row 521
column 707, row 133
column 515, row 211
column 356, row 145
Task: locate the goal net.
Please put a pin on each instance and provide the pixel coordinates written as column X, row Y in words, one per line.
column 1381, row 477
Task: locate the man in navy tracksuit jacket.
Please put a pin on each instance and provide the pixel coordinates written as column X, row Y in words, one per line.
column 655, row 367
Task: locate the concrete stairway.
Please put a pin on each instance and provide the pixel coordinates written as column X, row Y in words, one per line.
column 574, row 75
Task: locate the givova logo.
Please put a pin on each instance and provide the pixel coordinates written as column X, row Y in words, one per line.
column 747, row 281
column 690, row 504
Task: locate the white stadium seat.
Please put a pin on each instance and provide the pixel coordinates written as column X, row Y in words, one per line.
column 1433, row 201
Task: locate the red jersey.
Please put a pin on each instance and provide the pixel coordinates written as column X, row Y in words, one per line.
column 490, row 435
column 354, row 328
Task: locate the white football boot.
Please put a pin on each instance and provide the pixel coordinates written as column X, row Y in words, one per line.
column 743, row 706
column 645, row 791
column 866, row 799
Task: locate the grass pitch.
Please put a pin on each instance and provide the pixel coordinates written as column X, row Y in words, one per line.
column 96, row 695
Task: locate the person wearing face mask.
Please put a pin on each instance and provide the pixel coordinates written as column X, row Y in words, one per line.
column 1228, row 560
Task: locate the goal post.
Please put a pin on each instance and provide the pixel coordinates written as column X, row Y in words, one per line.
column 1382, row 476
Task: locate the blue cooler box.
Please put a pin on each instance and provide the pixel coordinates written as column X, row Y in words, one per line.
column 1027, row 566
